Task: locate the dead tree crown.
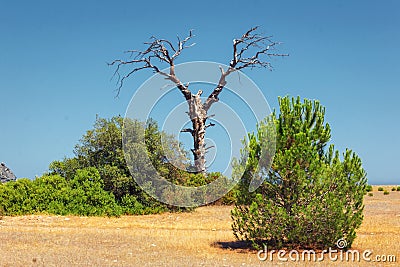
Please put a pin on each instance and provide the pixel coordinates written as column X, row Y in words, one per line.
column 250, row 50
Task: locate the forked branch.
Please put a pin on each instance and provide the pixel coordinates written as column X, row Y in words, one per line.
column 157, row 49
column 250, row 50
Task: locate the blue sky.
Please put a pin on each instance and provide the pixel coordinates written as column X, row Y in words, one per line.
column 54, row 77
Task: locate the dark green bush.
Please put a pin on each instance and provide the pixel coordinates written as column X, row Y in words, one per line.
column 311, row 197
column 369, row 188
column 380, row 188
column 102, row 148
column 393, row 188
column 370, row 194
column 398, row 188
column 386, row 192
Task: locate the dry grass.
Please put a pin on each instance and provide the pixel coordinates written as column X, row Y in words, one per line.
column 177, row 239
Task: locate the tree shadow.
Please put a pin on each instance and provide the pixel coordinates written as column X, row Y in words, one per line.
column 240, row 246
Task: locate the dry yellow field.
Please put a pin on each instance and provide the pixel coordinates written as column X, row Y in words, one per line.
column 200, row 238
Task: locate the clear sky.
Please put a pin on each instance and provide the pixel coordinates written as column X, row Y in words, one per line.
column 54, row 78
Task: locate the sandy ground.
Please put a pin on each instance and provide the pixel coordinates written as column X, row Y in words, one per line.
column 200, row 238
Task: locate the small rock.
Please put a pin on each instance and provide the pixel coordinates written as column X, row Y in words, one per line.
column 6, row 175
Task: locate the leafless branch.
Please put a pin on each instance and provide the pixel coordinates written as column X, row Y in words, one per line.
column 210, row 116
column 250, row 50
column 210, row 125
column 250, row 41
column 146, row 64
column 157, row 49
column 187, row 130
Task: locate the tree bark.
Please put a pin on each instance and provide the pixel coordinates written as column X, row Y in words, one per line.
column 198, row 116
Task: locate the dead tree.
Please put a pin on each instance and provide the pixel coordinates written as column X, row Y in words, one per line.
column 250, row 50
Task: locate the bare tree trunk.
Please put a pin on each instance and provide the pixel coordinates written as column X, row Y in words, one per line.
column 198, row 116
column 199, row 149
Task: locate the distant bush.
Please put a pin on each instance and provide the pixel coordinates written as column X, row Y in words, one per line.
column 398, row 188
column 230, row 198
column 82, row 195
column 370, row 194
column 386, row 192
column 102, row 148
column 217, row 185
column 131, row 206
column 369, row 188
column 393, row 188
column 380, row 188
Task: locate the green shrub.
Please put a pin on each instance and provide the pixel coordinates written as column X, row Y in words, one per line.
column 311, row 197
column 230, row 197
column 370, row 194
column 386, row 192
column 16, row 197
column 380, row 188
column 88, row 196
column 393, row 188
column 82, row 195
column 369, row 188
column 102, row 147
column 398, row 188
column 130, row 205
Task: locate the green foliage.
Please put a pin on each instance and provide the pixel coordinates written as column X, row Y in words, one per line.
column 54, row 194
column 217, row 186
column 102, row 148
column 15, row 197
column 380, row 188
column 311, row 197
column 65, row 168
column 370, row 194
column 393, row 188
column 398, row 188
column 369, row 188
column 386, row 192
column 97, row 180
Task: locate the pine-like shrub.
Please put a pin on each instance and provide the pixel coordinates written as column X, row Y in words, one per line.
column 311, row 196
